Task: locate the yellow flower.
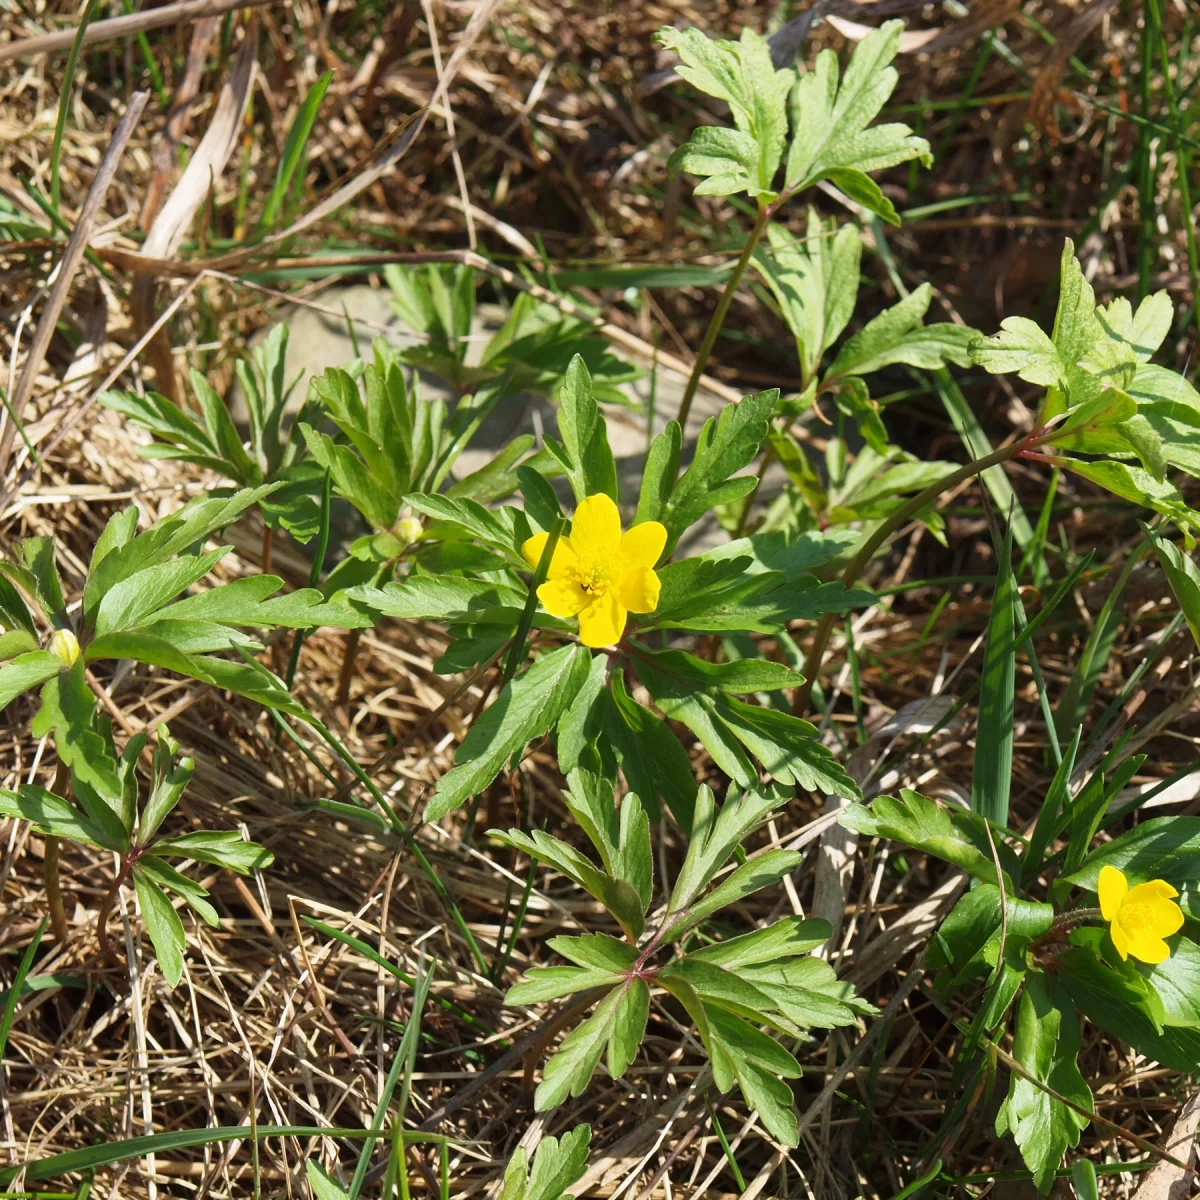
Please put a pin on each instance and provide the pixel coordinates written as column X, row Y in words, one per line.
column 1139, row 917
column 598, row 573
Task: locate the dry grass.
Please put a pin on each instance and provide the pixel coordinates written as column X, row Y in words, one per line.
column 559, row 147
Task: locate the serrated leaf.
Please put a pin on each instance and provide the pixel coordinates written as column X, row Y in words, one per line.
column 597, row 951
column 557, row 1164
column 1045, row 1043
column 761, row 871
column 830, row 138
column 658, row 479
column 583, row 719
column 784, row 939
column 955, row 835
column 172, row 880
column 539, row 984
column 1021, row 348
column 1182, row 574
column 741, row 677
column 526, row 708
column 569, row 1070
column 251, row 601
column 619, row 897
column 590, row 465
column 448, row 598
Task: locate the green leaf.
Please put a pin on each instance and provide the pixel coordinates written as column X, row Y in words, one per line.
column 441, row 598
column 740, row 73
column 658, row 479
column 784, row 939
column 1177, row 982
column 169, row 879
column 14, row 613
column 815, row 283
column 1160, row 848
column 526, row 708
column 952, row 834
column 655, row 764
column 552, row 983
column 629, row 1026
column 596, row 950
column 829, row 123
column 991, row 777
column 556, row 1166
column 53, row 815
column 293, row 149
column 541, row 503
column 806, row 992
column 223, row 848
column 761, row 871
column 353, row 480
column 38, row 558
column 726, row 444
column 1182, row 574
column 25, row 672
column 569, row 1070
column 496, row 527
column 634, row 862
column 1045, row 1043
column 715, row 834
column 17, row 642
column 790, row 749
column 869, row 349
column 163, row 925
column 580, row 724
column 126, row 604
column 251, row 601
column 589, row 463
column 741, row 677
column 1021, row 348
column 619, row 897
column 1113, row 1002
column 118, row 556
column 323, row 1185
column 171, row 776
column 1138, row 487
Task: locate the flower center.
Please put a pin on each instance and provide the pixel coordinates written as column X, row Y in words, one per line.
column 593, row 578
column 1136, row 918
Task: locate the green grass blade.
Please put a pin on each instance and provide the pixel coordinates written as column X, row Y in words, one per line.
column 293, row 149
column 406, row 1056
column 14, row 992
column 104, row 1154
column 991, row 778
column 1057, row 797
column 64, row 103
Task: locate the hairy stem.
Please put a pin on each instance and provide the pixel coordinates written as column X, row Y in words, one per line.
column 856, row 566
column 719, row 314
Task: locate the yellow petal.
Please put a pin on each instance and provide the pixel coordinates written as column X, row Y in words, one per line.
column 640, row 588
column 596, row 529
column 565, row 559
column 1120, row 938
column 602, row 622
column 1112, row 887
column 642, row 546
column 562, row 597
column 1149, row 949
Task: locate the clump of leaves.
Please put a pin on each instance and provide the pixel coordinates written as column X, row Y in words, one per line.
column 729, row 989
column 750, row 586
column 528, row 353
column 1042, row 963
column 273, row 454
column 107, row 815
column 830, row 120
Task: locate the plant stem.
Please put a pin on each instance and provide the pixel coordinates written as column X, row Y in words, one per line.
column 719, row 314
column 812, row 664
column 348, row 662
column 268, row 540
column 105, row 912
column 54, row 900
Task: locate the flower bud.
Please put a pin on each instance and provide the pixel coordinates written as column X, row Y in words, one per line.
column 408, row 529
column 64, row 645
